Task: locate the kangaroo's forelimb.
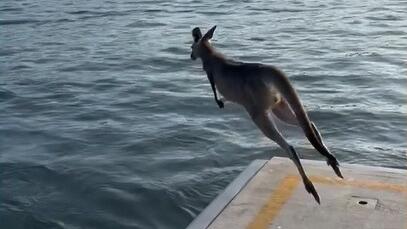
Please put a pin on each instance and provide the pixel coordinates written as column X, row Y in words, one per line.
column 211, row 80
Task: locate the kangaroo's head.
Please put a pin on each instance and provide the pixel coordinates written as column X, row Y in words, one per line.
column 199, row 46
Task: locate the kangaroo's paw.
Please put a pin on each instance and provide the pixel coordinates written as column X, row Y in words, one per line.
column 335, row 166
column 311, row 189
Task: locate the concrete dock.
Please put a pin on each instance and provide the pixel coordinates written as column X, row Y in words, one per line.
column 270, row 194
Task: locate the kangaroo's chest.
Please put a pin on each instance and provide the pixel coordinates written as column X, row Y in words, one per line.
column 229, row 87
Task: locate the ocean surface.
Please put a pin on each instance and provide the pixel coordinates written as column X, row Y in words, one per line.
column 105, row 122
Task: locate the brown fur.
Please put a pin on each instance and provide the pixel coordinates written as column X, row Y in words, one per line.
column 260, row 88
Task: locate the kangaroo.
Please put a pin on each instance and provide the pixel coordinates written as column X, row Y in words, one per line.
column 260, row 88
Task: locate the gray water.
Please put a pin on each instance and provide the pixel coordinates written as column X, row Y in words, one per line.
column 105, row 122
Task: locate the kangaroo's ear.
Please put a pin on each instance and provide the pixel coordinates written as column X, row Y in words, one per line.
column 196, row 34
column 209, row 34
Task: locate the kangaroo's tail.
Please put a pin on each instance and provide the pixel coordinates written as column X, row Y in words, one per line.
column 279, row 80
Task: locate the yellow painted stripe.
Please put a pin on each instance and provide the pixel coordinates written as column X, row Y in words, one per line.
column 375, row 185
column 286, row 188
column 275, row 202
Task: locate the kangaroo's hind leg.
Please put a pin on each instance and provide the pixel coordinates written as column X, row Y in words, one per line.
column 268, row 128
column 283, row 112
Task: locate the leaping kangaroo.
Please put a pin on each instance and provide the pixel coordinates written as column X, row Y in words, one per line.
column 260, row 88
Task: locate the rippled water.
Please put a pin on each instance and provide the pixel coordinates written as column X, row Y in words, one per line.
column 106, row 123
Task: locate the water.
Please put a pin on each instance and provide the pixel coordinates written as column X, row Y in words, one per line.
column 106, row 123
